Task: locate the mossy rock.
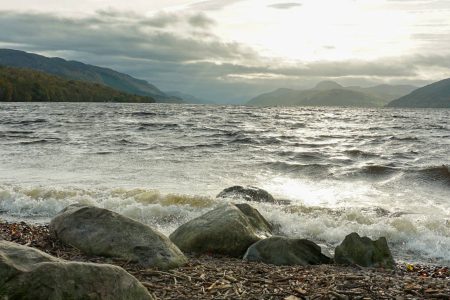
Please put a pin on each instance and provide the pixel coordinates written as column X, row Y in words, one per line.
column 364, row 252
column 228, row 230
column 29, row 274
column 98, row 231
column 281, row 251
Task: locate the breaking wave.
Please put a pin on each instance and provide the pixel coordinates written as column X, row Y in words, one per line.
column 424, row 237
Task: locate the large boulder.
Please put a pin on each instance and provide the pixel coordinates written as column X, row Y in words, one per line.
column 280, row 251
column 229, row 230
column 27, row 273
column 98, row 231
column 248, row 193
column 364, row 252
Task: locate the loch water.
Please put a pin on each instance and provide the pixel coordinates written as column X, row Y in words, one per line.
column 379, row 172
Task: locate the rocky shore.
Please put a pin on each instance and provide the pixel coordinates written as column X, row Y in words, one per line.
column 230, row 252
column 220, row 277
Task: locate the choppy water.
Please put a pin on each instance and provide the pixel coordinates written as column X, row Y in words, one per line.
column 380, row 172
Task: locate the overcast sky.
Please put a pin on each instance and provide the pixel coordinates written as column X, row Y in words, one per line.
column 235, row 49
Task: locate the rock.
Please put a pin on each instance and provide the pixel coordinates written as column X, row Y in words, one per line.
column 98, row 231
column 281, row 251
column 364, row 252
column 229, row 230
column 248, row 193
column 27, row 273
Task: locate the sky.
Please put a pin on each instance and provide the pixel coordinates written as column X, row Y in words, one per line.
column 233, row 50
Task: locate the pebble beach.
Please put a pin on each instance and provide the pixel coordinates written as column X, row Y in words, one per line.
column 218, row 277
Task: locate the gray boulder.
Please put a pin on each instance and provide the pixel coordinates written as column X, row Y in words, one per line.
column 364, row 252
column 249, row 193
column 98, row 231
column 229, row 230
column 280, row 251
column 27, row 273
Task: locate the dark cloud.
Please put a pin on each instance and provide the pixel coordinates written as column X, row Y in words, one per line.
column 287, row 5
column 139, row 37
column 181, row 52
column 201, row 20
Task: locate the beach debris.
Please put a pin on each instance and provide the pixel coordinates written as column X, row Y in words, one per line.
column 228, row 230
column 99, row 231
column 362, row 251
column 279, row 250
column 253, row 280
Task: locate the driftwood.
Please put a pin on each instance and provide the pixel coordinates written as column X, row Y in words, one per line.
column 211, row 277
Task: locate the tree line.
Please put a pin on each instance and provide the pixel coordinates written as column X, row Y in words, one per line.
column 25, row 85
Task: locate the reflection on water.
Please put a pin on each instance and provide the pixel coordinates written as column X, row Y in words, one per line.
column 374, row 171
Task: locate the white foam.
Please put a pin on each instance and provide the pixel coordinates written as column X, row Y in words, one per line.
column 423, row 235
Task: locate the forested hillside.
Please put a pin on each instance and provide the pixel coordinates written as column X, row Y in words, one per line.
column 74, row 70
column 25, row 85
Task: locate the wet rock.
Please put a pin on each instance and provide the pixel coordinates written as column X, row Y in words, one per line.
column 280, row 251
column 364, row 252
column 98, row 231
column 27, row 273
column 249, row 193
column 229, row 230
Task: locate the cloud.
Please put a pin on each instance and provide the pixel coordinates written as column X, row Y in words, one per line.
column 213, row 4
column 201, row 20
column 179, row 51
column 137, row 37
column 287, row 5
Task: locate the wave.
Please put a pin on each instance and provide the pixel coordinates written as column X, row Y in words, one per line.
column 156, row 126
column 200, row 146
column 302, row 156
column 127, row 142
column 426, row 235
column 360, row 153
column 436, row 174
column 405, row 138
column 163, row 211
column 378, row 170
column 41, row 141
column 25, row 122
column 303, row 169
column 143, row 114
column 297, row 125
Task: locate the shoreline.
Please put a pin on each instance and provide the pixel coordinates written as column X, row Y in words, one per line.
column 218, row 277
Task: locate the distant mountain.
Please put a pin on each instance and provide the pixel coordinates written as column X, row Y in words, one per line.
column 26, row 85
column 435, row 95
column 334, row 97
column 386, row 91
column 328, row 85
column 79, row 71
column 188, row 98
column 330, row 93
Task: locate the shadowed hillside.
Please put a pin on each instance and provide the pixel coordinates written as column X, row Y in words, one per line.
column 79, row 71
column 329, row 93
column 25, row 85
column 435, row 95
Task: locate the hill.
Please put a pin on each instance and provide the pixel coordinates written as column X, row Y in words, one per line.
column 328, row 85
column 75, row 70
column 435, row 95
column 385, row 91
column 329, row 93
column 188, row 98
column 317, row 97
column 25, row 85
